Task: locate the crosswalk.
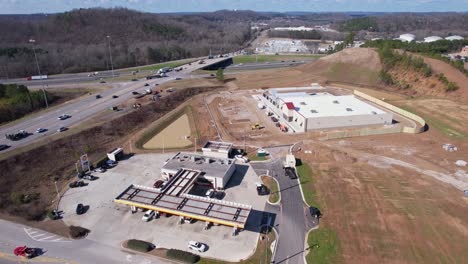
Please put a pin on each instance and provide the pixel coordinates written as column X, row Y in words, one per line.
column 42, row 236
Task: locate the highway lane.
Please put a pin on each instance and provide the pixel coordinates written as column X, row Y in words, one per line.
column 86, row 107
column 265, row 65
column 82, row 251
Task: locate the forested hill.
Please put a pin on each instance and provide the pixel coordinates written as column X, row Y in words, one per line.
column 423, row 24
column 77, row 40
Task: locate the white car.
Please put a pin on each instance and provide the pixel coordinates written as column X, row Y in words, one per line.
column 210, row 193
column 40, row 130
column 63, row 117
column 194, row 245
column 148, row 215
column 242, row 158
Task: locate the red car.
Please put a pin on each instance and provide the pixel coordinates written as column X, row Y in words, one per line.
column 24, row 251
column 158, row 184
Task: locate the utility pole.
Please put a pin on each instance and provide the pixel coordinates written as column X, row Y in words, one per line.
column 110, row 56
column 58, row 195
column 33, row 41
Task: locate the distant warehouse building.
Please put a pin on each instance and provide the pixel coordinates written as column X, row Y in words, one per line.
column 456, row 37
column 217, row 171
column 311, row 110
column 432, row 39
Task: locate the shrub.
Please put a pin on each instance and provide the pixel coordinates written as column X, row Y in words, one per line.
column 183, row 256
column 139, row 245
column 52, row 215
column 78, row 231
column 452, row 87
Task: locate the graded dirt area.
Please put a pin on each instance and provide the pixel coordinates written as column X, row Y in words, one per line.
column 392, row 199
column 176, row 135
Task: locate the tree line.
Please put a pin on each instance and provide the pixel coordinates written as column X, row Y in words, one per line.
column 17, row 101
column 78, row 40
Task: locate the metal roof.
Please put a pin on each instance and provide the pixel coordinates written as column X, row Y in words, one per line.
column 174, row 200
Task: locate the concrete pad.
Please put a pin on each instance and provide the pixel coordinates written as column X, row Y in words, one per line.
column 112, row 223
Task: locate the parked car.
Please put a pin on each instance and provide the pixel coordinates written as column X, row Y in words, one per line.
column 41, row 130
column 3, row 147
column 102, row 81
column 61, row 129
column 187, row 220
column 80, row 209
column 194, row 245
column 241, row 158
column 134, row 80
column 148, row 215
column 210, row 193
column 262, row 189
column 315, row 212
column 64, row 116
column 100, row 169
column 274, row 119
column 89, row 177
column 291, row 173
column 111, row 163
column 146, row 84
column 158, row 184
column 76, row 184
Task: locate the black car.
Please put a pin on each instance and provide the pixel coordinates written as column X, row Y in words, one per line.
column 3, row 147
column 146, row 84
column 115, row 96
column 135, row 93
column 315, row 212
column 76, row 184
column 291, row 173
column 80, row 209
column 98, row 96
column 262, row 190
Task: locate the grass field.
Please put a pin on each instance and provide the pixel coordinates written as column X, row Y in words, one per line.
column 323, row 243
column 271, row 58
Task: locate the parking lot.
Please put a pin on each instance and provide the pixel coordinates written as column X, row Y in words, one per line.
column 111, row 223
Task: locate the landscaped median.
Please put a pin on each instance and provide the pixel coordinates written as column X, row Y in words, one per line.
column 149, row 248
column 272, row 185
column 323, row 242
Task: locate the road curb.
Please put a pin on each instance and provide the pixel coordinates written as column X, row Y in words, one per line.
column 146, row 254
column 279, row 191
column 305, row 242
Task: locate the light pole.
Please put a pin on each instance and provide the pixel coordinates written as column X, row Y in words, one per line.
column 58, row 195
column 32, row 41
column 110, row 56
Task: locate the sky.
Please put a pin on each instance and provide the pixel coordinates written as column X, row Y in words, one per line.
column 165, row 6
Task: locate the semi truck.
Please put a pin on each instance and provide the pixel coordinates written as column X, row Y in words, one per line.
column 37, row 77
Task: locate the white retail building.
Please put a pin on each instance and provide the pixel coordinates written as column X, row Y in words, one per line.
column 306, row 109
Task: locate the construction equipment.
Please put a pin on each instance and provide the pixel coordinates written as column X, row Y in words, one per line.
column 24, row 251
column 257, row 126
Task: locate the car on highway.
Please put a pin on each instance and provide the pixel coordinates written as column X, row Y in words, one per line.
column 146, row 84
column 98, row 96
column 61, row 129
column 3, row 147
column 115, row 96
column 80, row 209
column 135, row 93
column 41, row 130
column 194, row 245
column 148, row 215
column 63, row 117
column 102, row 81
column 76, row 184
column 178, row 79
column 134, row 80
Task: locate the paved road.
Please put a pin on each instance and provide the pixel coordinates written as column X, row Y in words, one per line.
column 84, row 108
column 66, row 251
column 293, row 220
column 265, row 65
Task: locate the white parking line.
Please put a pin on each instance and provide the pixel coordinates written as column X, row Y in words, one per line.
column 42, row 236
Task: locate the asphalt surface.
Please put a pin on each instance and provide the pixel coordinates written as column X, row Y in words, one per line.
column 265, row 65
column 86, row 107
column 293, row 220
column 63, row 251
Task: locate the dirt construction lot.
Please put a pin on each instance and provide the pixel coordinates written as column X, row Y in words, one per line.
column 176, row 135
column 112, row 223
